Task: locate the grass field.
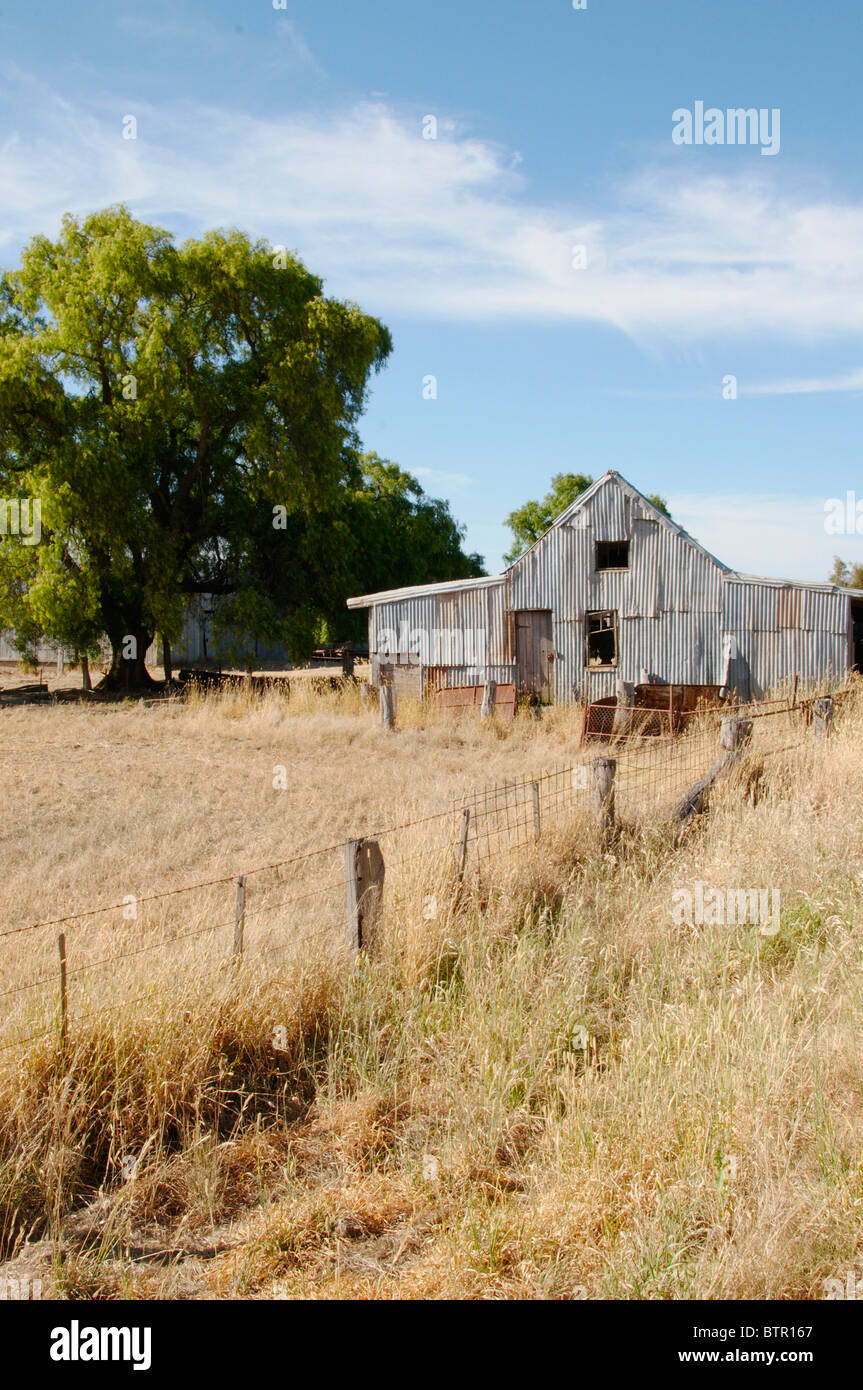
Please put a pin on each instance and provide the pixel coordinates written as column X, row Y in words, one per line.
column 550, row 1088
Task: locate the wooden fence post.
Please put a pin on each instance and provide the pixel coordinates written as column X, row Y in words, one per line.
column 64, row 996
column 489, row 698
column 604, row 770
column 388, row 705
column 364, row 886
column 822, row 718
column 623, row 712
column 240, row 916
column 734, row 733
column 537, row 825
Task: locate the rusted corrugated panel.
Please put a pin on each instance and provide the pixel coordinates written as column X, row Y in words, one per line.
column 823, row 611
column 750, row 607
column 788, row 607
column 476, row 675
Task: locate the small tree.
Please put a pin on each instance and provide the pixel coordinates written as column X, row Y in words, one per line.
column 533, row 519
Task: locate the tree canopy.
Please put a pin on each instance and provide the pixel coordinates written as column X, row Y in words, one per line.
column 847, row 575
column 169, row 406
column 532, row 519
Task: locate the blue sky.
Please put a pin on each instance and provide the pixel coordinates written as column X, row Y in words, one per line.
column 554, row 131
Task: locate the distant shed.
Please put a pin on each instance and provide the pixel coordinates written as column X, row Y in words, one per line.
column 616, row 592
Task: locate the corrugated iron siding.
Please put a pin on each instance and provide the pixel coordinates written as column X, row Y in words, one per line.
column 786, row 630
column 668, row 601
column 427, row 617
column 675, row 604
column 45, row 652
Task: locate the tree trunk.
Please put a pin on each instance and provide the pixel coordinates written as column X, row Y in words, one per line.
column 128, row 672
column 85, row 674
column 166, row 660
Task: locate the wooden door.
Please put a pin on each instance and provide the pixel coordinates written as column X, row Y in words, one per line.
column 534, row 652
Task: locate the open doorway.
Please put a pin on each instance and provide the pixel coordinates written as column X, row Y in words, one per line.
column 857, row 634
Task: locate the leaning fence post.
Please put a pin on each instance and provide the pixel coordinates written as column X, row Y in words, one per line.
column 240, row 916
column 364, row 886
column 64, row 997
column 604, row 770
column 822, row 717
column 537, row 825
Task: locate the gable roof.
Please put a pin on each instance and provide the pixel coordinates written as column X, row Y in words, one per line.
column 612, row 477
column 609, row 478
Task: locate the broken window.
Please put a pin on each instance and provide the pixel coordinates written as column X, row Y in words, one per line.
column 602, row 639
column 612, row 555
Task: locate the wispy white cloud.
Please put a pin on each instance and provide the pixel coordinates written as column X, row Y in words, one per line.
column 300, row 55
column 806, row 386
column 448, row 227
column 772, row 534
column 439, row 477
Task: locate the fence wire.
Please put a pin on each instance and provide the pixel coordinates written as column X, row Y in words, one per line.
column 121, row 954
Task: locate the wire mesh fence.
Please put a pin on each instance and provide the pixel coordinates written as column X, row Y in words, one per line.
column 109, row 958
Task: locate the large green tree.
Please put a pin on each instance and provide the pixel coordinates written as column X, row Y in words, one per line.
column 533, row 519
column 382, row 532
column 168, row 405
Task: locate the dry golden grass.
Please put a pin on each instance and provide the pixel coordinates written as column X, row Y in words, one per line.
column 431, row 1123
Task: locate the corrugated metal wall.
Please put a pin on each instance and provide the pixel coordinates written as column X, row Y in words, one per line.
column 668, row 601
column 466, row 628
column 675, row 604
column 197, row 642
column 782, row 631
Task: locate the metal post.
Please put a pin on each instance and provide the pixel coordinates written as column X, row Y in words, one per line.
column 64, row 996
column 462, row 844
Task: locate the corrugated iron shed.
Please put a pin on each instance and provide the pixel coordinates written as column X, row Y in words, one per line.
column 672, row 610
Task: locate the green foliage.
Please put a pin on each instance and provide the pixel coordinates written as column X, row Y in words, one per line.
column 533, row 519
column 160, row 400
column 846, row 575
